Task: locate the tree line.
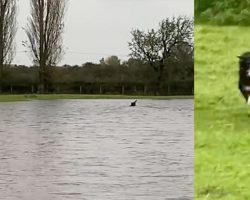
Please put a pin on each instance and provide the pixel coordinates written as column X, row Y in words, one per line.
column 160, row 63
column 109, row 76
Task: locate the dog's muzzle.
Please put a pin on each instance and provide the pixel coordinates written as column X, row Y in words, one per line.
column 246, row 88
column 248, row 72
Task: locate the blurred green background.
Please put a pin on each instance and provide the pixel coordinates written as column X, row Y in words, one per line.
column 222, row 127
column 223, row 12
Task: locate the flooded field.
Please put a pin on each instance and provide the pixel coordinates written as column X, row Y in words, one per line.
column 96, row 150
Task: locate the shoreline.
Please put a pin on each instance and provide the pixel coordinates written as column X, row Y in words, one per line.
column 30, row 97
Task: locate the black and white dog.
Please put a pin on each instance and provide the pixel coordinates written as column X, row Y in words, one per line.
column 244, row 77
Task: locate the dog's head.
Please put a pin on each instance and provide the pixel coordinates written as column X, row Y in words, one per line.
column 244, row 75
column 244, row 61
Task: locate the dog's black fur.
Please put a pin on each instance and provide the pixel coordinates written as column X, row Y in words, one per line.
column 244, row 79
column 133, row 103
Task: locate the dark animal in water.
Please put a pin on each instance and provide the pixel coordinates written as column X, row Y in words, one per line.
column 133, row 103
column 244, row 77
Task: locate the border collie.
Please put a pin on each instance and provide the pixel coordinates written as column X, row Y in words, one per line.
column 244, row 77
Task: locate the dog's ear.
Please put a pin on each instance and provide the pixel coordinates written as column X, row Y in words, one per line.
column 240, row 57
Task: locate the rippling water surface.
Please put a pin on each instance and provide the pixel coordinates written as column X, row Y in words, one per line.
column 96, row 150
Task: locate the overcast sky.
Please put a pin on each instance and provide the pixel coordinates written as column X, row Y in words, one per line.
column 100, row 28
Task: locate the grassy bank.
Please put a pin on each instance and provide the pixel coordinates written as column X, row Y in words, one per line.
column 7, row 98
column 222, row 132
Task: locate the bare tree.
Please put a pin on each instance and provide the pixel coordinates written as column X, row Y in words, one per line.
column 44, row 31
column 156, row 46
column 7, row 34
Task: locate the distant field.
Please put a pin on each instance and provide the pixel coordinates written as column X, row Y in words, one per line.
column 27, row 97
column 222, row 127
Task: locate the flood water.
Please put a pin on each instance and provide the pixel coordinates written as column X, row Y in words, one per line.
column 96, row 150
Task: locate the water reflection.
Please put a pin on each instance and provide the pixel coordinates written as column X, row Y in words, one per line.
column 96, row 150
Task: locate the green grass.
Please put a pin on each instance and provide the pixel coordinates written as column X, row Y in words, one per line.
column 222, row 127
column 28, row 97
